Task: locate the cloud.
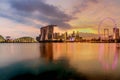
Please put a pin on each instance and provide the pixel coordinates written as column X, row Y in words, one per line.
column 25, row 11
column 83, row 5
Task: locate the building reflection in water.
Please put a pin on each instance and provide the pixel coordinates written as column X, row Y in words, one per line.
column 108, row 56
column 46, row 50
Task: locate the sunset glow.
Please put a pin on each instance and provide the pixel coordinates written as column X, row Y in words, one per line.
column 26, row 17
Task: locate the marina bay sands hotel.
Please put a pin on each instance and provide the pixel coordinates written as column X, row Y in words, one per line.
column 47, row 33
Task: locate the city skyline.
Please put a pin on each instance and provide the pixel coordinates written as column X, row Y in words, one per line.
column 25, row 17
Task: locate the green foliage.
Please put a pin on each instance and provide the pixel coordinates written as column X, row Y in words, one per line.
column 24, row 39
column 2, row 39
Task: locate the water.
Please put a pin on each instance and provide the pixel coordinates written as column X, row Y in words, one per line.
column 95, row 61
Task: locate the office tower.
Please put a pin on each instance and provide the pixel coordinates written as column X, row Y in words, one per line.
column 115, row 33
column 65, row 36
column 73, row 34
column 56, row 36
column 106, row 33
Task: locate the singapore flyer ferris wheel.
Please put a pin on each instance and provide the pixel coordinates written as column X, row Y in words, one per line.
column 102, row 21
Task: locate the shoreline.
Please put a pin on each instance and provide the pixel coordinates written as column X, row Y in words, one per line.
column 61, row 42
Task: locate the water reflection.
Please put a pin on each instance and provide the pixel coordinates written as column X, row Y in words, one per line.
column 46, row 50
column 108, row 56
column 94, row 60
column 54, row 69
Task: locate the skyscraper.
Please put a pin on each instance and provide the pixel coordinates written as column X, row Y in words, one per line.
column 106, row 34
column 65, row 36
column 115, row 33
column 56, row 36
column 73, row 34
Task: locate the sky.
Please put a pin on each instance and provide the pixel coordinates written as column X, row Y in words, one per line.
column 25, row 17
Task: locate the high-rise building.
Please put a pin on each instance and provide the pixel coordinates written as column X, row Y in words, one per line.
column 47, row 33
column 115, row 33
column 56, row 36
column 106, row 33
column 73, row 34
column 65, row 36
